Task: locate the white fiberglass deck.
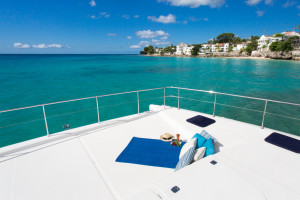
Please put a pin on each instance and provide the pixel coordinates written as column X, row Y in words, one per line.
column 80, row 163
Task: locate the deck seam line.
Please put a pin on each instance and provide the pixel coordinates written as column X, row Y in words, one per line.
column 100, row 171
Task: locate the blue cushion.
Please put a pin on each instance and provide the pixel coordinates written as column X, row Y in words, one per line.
column 207, row 136
column 186, row 159
column 200, row 140
column 210, row 150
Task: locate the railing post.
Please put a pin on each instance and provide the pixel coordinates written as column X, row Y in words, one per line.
column 215, row 105
column 138, row 101
column 98, row 110
column 263, row 120
column 178, row 98
column 45, row 121
column 164, row 97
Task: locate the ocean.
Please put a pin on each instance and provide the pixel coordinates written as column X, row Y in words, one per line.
column 27, row 80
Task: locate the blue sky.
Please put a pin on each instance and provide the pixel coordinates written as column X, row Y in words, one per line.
column 119, row 26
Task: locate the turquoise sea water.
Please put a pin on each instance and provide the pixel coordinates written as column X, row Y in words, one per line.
column 36, row 79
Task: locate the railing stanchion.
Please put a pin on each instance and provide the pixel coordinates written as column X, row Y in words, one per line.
column 263, row 120
column 98, row 110
column 138, row 101
column 46, row 124
column 164, row 97
column 215, row 105
column 178, row 98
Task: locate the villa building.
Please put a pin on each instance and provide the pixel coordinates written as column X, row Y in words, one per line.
column 184, row 49
column 265, row 41
column 240, row 46
column 205, row 48
column 220, row 47
column 291, row 33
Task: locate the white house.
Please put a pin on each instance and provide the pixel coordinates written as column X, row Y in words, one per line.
column 291, row 33
column 266, row 41
column 183, row 49
column 220, row 47
column 188, row 50
column 206, row 48
column 240, row 46
column 179, row 48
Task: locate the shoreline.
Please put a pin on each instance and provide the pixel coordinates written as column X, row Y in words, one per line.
column 232, row 57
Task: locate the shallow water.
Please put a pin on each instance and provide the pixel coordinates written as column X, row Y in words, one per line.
column 36, row 79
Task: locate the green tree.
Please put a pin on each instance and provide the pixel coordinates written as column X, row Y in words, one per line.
column 196, row 49
column 146, row 50
column 279, row 35
column 230, row 49
column 254, row 38
column 150, row 49
column 283, row 46
column 236, row 40
column 244, row 40
column 252, row 45
column 225, row 38
column 142, row 52
column 274, row 46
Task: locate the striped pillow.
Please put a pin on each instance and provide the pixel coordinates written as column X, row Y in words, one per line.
column 186, row 159
column 207, row 136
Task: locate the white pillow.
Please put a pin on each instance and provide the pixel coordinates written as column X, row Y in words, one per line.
column 187, row 146
column 199, row 153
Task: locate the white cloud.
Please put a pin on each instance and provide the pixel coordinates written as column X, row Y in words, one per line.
column 55, row 46
column 129, row 37
column 93, row 16
column 205, row 19
column 38, row 46
column 164, row 38
column 185, row 22
column 164, row 19
column 298, row 7
column 126, row 16
column 136, row 46
column 21, row 46
column 195, row 3
column 104, row 14
column 253, row 2
column 159, row 42
column 140, row 45
column 44, row 46
column 92, row 3
column 289, row 3
column 260, row 13
column 136, row 16
column 147, row 43
column 151, row 34
column 111, row 34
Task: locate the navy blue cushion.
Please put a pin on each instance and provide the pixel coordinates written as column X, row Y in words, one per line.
column 201, row 121
column 200, row 140
column 285, row 142
column 210, row 150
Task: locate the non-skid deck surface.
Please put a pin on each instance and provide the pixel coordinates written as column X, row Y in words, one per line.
column 85, row 168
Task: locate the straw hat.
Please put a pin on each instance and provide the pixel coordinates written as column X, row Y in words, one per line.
column 167, row 137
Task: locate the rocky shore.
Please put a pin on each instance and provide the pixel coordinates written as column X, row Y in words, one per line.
column 292, row 55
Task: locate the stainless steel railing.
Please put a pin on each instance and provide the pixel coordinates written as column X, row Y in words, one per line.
column 179, row 99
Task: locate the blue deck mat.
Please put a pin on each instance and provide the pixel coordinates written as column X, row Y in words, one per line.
column 150, row 152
